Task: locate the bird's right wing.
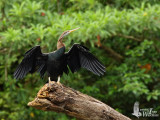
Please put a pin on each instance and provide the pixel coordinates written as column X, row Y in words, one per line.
column 79, row 56
column 33, row 60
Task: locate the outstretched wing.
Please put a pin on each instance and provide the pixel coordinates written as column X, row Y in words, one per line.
column 33, row 60
column 79, row 56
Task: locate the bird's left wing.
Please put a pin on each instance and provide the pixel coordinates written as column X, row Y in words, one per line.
column 33, row 60
column 79, row 56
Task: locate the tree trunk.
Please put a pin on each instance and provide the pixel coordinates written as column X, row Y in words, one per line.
column 60, row 98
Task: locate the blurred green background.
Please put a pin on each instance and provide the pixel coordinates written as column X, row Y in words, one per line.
column 123, row 34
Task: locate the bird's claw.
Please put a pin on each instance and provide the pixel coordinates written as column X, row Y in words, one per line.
column 49, row 85
column 49, row 82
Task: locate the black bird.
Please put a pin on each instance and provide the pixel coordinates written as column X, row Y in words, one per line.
column 56, row 63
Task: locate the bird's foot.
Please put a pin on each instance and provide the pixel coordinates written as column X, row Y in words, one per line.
column 58, row 82
column 49, row 83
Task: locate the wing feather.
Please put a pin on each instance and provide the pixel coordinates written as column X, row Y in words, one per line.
column 97, row 69
column 90, row 67
column 101, row 71
column 32, row 60
column 79, row 56
column 87, row 66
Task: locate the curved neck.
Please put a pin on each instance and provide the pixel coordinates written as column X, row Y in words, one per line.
column 60, row 44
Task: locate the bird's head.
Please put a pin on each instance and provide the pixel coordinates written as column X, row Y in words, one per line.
column 66, row 33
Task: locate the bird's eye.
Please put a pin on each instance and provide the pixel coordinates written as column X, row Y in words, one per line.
column 66, row 33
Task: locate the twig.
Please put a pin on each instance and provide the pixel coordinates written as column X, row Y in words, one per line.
column 129, row 37
column 110, row 51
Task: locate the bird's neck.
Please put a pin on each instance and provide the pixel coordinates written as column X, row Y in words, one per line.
column 60, row 44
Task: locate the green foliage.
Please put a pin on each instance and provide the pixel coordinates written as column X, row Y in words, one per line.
column 130, row 27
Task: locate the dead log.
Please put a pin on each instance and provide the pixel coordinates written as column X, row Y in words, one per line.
column 59, row 98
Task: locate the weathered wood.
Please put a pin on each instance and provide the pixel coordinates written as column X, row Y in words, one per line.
column 60, row 98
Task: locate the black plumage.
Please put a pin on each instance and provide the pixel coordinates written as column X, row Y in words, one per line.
column 56, row 63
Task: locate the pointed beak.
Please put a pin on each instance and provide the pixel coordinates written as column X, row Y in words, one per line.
column 67, row 32
column 73, row 30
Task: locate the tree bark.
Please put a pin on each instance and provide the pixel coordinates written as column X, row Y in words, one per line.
column 60, row 98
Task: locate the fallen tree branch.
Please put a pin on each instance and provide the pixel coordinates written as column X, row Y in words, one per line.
column 60, row 98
